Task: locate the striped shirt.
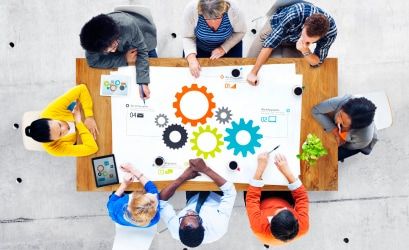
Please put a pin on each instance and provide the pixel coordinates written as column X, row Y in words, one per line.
column 207, row 39
column 287, row 24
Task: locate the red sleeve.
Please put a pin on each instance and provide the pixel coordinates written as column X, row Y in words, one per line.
column 301, row 208
column 257, row 224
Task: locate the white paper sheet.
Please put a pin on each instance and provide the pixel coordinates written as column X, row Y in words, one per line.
column 271, row 106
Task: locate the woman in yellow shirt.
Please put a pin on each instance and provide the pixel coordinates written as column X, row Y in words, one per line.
column 58, row 127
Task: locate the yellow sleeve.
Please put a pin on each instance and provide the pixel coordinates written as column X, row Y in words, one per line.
column 79, row 92
column 88, row 146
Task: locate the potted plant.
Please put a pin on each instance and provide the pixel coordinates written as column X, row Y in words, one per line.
column 312, row 150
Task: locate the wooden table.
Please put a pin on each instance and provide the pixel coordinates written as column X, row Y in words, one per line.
column 320, row 83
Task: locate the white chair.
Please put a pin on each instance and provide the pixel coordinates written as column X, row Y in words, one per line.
column 138, row 9
column 280, row 3
column 383, row 114
column 29, row 143
column 133, row 238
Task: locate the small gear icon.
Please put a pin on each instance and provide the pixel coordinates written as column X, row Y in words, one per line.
column 198, row 133
column 243, row 126
column 223, row 115
column 209, row 97
column 166, row 136
column 161, row 120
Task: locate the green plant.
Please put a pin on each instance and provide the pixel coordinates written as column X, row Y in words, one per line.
column 312, row 150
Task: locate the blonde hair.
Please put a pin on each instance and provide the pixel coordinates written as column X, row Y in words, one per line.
column 212, row 8
column 142, row 208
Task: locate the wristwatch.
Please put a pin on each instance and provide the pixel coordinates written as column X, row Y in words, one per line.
column 306, row 53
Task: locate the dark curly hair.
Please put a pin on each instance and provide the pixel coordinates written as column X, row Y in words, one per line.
column 99, row 33
column 191, row 237
column 361, row 111
column 316, row 25
column 284, row 226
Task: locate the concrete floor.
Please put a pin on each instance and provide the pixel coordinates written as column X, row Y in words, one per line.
column 44, row 211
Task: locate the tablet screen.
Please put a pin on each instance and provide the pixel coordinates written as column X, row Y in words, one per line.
column 105, row 171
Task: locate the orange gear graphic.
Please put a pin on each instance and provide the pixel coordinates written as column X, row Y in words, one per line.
column 209, row 97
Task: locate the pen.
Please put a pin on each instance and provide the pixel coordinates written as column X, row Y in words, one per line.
column 273, row 149
column 339, row 128
column 142, row 93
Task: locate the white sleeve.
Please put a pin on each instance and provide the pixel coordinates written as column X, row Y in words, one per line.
column 168, row 214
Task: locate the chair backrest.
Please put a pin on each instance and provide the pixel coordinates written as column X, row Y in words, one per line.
column 383, row 114
column 138, row 9
column 133, row 238
column 281, row 3
column 28, row 142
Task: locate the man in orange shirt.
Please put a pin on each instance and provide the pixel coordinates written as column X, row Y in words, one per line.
column 274, row 218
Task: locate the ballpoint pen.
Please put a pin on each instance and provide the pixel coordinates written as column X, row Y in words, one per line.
column 273, row 149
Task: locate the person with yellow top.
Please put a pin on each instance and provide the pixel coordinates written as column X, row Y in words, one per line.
column 58, row 127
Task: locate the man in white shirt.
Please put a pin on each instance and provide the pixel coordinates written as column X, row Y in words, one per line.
column 205, row 218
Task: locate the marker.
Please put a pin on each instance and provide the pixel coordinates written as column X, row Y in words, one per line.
column 273, row 149
column 142, row 93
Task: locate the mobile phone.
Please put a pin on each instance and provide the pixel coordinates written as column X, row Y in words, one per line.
column 72, row 106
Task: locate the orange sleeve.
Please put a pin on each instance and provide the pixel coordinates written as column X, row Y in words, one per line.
column 257, row 224
column 301, row 208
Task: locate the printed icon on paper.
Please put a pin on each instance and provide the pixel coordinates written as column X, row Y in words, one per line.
column 195, row 93
column 243, row 137
column 175, row 136
column 223, row 115
column 161, row 120
column 206, row 141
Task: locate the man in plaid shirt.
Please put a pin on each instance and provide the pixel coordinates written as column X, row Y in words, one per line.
column 298, row 25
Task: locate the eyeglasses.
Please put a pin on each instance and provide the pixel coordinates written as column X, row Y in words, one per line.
column 190, row 215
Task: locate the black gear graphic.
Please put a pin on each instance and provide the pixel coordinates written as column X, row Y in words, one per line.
column 163, row 124
column 227, row 113
column 166, row 136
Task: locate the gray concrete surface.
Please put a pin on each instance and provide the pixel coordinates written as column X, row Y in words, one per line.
column 371, row 208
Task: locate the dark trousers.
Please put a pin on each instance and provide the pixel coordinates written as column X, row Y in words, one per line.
column 285, row 195
column 236, row 51
column 152, row 54
column 190, row 194
column 344, row 153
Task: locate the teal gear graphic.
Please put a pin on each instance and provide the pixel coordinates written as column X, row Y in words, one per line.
column 243, row 126
column 200, row 131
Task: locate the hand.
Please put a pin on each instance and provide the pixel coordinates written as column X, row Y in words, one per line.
column 217, row 53
column 92, row 126
column 131, row 56
column 262, row 161
column 146, row 91
column 337, row 137
column 281, row 162
column 194, row 65
column 301, row 46
column 127, row 167
column 189, row 174
column 252, row 79
column 198, row 165
column 128, row 179
column 77, row 113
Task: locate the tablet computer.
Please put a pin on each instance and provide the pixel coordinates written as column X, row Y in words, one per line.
column 105, row 171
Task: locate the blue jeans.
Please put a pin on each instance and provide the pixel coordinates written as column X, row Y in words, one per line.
column 236, row 51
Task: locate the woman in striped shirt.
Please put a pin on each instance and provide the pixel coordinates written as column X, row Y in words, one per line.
column 212, row 28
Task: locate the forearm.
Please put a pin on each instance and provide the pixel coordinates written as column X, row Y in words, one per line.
column 168, row 191
column 220, row 181
column 261, row 59
column 121, row 189
column 312, row 59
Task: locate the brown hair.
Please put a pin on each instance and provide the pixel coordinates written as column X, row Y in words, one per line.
column 142, row 208
column 212, row 8
column 316, row 25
